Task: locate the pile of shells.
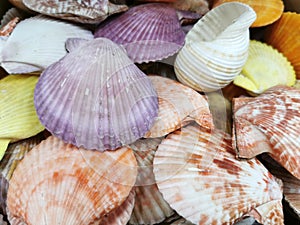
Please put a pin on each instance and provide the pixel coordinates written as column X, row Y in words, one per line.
column 149, row 112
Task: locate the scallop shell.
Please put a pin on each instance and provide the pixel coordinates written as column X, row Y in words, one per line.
column 158, row 36
column 16, row 152
column 79, row 11
column 26, row 52
column 216, row 48
column 96, row 97
column 18, row 118
column 282, row 36
column 9, row 27
column 3, row 194
column 11, row 14
column 67, row 185
column 269, row 123
column 198, row 174
column 150, row 207
column 265, row 67
column 267, row 11
column 120, row 215
column 178, row 106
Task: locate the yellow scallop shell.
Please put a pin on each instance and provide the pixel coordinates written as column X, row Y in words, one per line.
column 265, row 68
column 18, row 119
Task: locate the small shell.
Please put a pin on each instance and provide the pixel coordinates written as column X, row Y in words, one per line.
column 267, row 11
column 199, row 176
column 26, row 52
column 96, row 97
column 150, row 207
column 282, row 35
column 3, row 194
column 198, row 6
column 120, row 215
column 18, row 117
column 11, row 14
column 178, row 106
column 265, row 67
column 216, row 48
column 74, row 10
column 16, row 152
column 9, row 27
column 67, row 185
column 149, row 32
column 269, row 123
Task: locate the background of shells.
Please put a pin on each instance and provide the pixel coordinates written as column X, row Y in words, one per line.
column 256, row 33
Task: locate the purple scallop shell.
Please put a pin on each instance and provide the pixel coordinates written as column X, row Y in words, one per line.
column 96, row 97
column 149, row 32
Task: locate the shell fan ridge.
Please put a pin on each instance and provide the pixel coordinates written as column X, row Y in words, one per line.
column 95, row 97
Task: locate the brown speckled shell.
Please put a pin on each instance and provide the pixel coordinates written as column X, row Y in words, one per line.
column 199, row 176
column 269, row 123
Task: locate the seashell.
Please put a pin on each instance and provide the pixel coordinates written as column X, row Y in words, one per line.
column 11, row 14
column 157, row 37
column 199, row 6
column 267, row 11
column 282, row 36
column 178, row 106
column 92, row 12
column 120, row 215
column 96, row 97
column 3, row 194
column 60, row 170
column 265, row 68
column 216, row 48
column 15, row 153
column 198, row 174
column 18, row 118
column 269, row 123
column 26, row 52
column 150, row 207
column 9, row 27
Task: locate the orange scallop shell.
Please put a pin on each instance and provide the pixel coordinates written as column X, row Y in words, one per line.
column 284, row 35
column 58, row 183
column 267, row 11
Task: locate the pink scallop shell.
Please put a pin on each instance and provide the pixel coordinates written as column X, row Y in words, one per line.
column 178, row 106
column 149, row 32
column 96, row 97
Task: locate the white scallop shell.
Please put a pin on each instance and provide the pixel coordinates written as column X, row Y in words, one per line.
column 216, row 47
column 28, row 50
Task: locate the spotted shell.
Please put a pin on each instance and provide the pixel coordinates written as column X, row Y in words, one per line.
column 96, row 97
column 198, row 174
column 79, row 11
column 157, row 37
column 178, row 106
column 69, row 185
column 269, row 123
